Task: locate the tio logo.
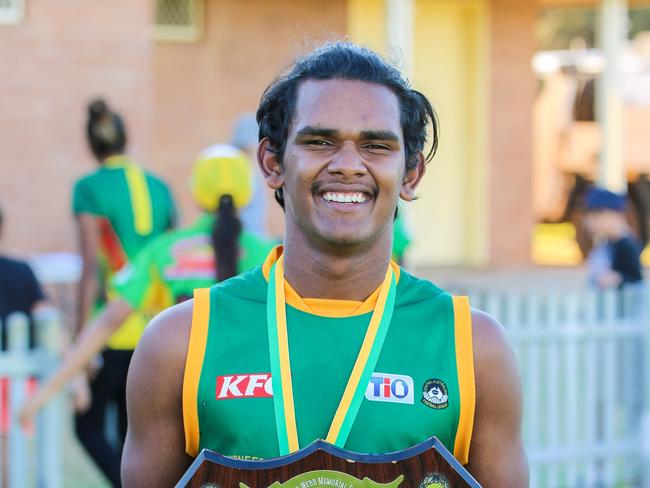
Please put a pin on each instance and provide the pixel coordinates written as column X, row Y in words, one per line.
column 394, row 388
column 244, row 386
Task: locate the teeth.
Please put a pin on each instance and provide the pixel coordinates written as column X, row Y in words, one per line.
column 344, row 197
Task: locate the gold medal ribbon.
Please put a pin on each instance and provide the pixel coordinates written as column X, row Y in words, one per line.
column 285, row 415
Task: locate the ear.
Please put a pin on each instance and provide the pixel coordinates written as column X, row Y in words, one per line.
column 267, row 159
column 412, row 179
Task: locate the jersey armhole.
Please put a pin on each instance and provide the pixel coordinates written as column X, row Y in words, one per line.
column 465, row 371
column 193, row 365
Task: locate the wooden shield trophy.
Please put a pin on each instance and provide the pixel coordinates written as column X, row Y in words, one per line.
column 426, row 465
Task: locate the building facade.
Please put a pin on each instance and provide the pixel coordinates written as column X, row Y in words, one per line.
column 180, row 94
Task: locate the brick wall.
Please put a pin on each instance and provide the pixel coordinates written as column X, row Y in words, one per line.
column 61, row 55
column 512, row 84
column 202, row 87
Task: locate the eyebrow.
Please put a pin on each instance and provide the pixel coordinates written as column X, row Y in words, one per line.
column 311, row 130
column 383, row 135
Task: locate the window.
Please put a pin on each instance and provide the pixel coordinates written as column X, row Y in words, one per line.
column 11, row 11
column 178, row 20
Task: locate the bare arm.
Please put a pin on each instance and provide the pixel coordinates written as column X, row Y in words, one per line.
column 154, row 452
column 90, row 342
column 496, row 456
column 88, row 289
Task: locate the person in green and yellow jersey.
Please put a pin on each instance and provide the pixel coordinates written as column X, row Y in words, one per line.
column 172, row 266
column 329, row 339
column 118, row 208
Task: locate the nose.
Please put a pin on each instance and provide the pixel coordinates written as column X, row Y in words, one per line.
column 347, row 161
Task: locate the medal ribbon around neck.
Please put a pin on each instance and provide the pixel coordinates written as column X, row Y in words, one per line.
column 276, row 317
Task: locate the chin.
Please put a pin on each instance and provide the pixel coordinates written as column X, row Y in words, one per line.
column 345, row 239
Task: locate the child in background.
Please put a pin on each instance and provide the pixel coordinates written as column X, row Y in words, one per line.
column 614, row 260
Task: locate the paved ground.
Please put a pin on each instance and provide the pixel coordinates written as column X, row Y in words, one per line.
column 79, row 470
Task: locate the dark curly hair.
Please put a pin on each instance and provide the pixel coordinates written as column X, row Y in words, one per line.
column 347, row 61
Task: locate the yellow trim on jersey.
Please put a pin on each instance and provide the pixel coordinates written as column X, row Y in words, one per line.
column 136, row 181
column 465, row 370
column 193, row 365
column 323, row 306
column 140, row 199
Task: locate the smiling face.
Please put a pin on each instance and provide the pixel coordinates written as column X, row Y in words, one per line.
column 344, row 163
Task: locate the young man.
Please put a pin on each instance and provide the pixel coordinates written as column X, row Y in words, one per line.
column 265, row 363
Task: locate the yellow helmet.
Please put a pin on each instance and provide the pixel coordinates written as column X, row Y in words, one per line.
column 221, row 170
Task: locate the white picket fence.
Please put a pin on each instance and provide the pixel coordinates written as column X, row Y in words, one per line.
column 585, row 365
column 32, row 456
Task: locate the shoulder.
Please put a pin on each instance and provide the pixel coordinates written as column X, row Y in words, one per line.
column 491, row 344
column 250, row 286
column 163, row 345
column 496, row 373
column 89, row 179
column 156, row 181
column 412, row 289
column 16, row 268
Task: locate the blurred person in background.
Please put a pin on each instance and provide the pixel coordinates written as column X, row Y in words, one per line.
column 167, row 270
column 615, row 258
column 402, row 238
column 244, row 138
column 19, row 292
column 118, row 209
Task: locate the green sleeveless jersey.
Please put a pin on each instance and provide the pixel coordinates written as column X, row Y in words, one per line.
column 422, row 384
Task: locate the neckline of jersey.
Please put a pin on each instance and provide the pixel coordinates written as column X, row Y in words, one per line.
column 116, row 162
column 324, row 307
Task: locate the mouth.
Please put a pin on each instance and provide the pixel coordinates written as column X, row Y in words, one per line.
column 344, row 198
column 351, row 198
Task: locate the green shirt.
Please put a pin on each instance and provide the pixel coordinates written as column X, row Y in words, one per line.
column 422, row 385
column 112, row 193
column 168, row 270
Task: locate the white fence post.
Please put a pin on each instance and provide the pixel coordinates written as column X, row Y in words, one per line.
column 49, row 445
column 645, row 428
column 18, row 342
column 19, row 364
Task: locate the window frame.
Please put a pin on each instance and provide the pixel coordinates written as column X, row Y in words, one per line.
column 182, row 33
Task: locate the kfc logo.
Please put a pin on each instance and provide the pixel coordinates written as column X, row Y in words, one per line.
column 244, row 386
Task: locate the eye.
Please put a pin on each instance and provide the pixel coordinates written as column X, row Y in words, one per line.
column 377, row 147
column 318, row 142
